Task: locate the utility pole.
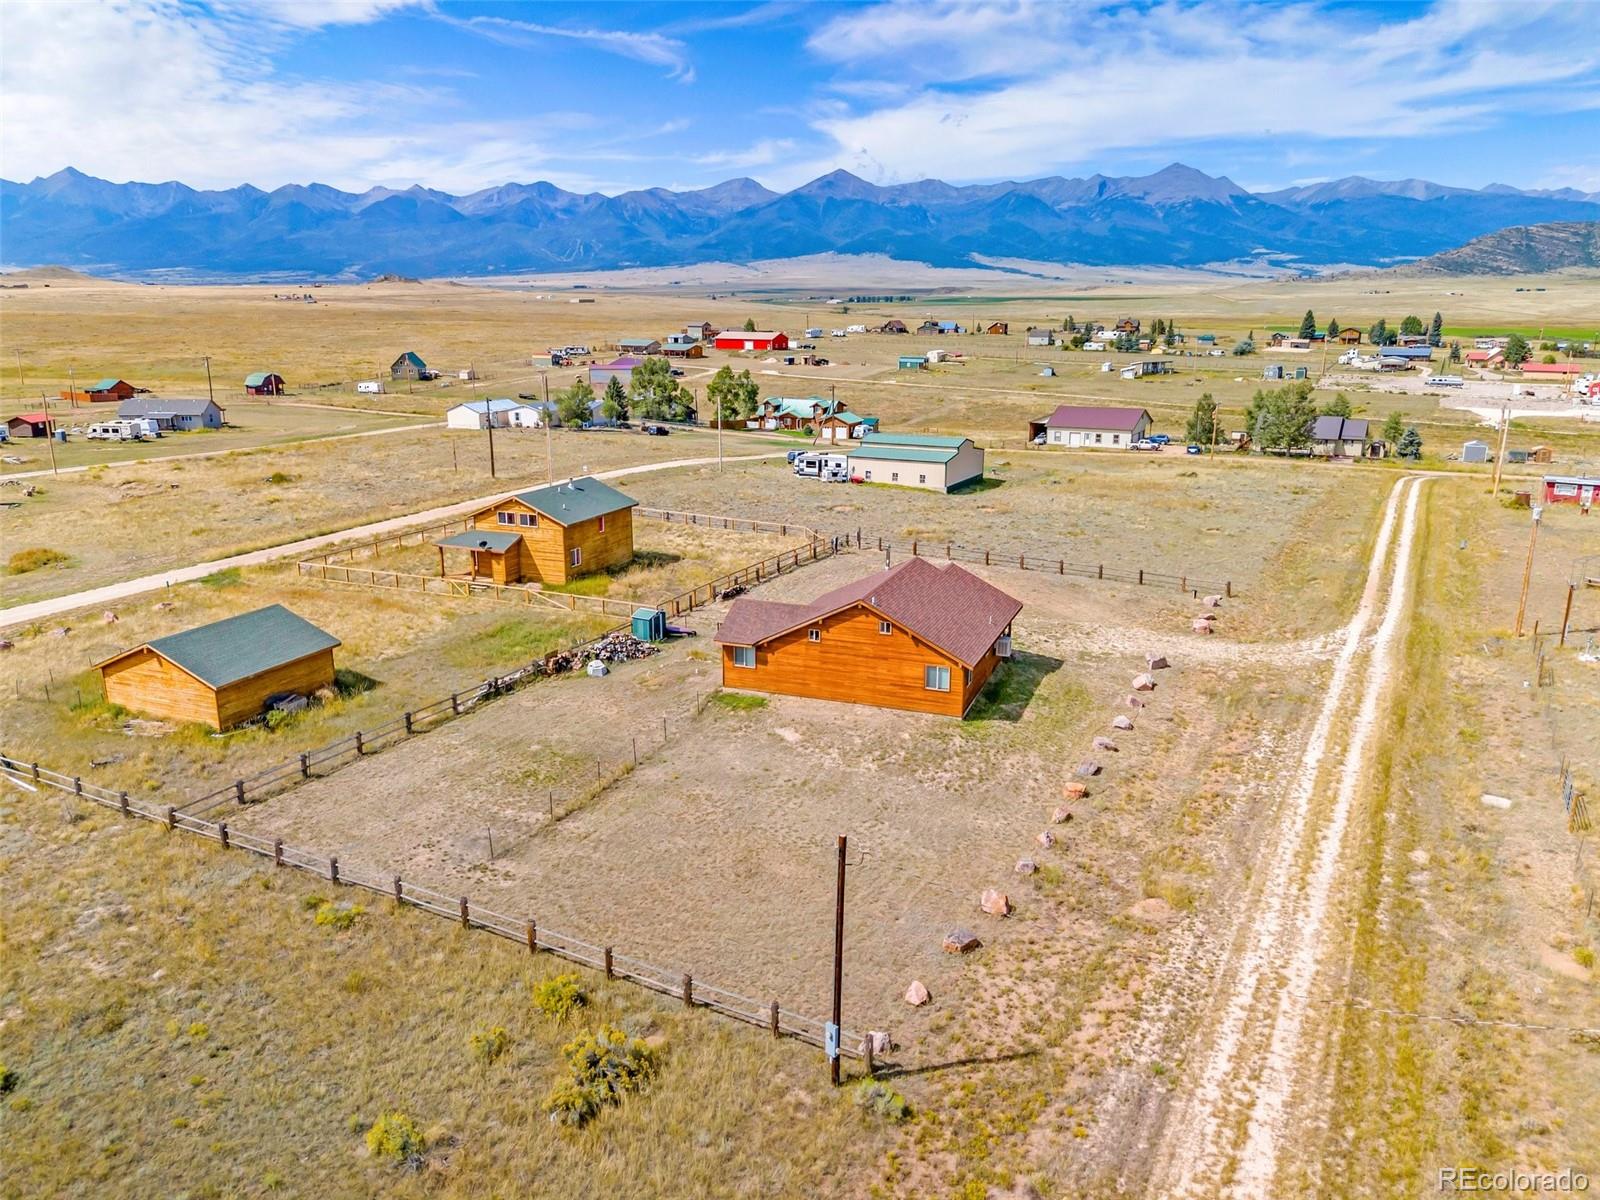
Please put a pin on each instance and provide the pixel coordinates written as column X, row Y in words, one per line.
column 22, row 383
column 833, row 1036
column 72, row 387
column 549, row 438
column 210, row 393
column 1527, row 568
column 1505, row 430
column 49, row 432
column 719, row 431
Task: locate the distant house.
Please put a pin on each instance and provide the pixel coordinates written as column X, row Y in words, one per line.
column 844, row 425
column 409, row 366
column 1277, row 339
column 998, row 327
column 758, row 339
column 1075, row 425
column 264, row 383
column 1475, row 451
column 30, row 425
column 1422, row 353
column 1041, row 337
column 1272, row 371
column 1148, row 366
column 1339, row 437
column 176, row 415
column 702, row 331
column 1349, row 335
column 639, row 346
column 620, row 369
column 499, row 412
column 1128, row 325
column 1485, row 359
column 916, row 637
column 1571, row 489
column 1207, row 339
column 892, row 325
column 683, row 350
column 787, row 412
column 916, row 460
column 940, row 327
column 224, row 673
column 911, row 362
column 103, row 392
column 1557, row 369
column 547, row 535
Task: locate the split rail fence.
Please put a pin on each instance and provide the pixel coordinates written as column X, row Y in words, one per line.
column 770, row 1015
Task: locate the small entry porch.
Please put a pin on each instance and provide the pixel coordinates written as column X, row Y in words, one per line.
column 492, row 555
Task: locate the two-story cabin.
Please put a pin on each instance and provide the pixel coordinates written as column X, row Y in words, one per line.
column 549, row 535
column 915, row 637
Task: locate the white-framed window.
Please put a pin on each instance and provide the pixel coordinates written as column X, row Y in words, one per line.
column 894, row 476
column 867, row 476
column 528, row 519
column 814, row 635
column 936, row 679
column 885, row 627
column 577, row 556
column 1116, row 438
column 602, row 524
column 922, row 479
column 1097, row 439
column 744, row 656
column 506, row 518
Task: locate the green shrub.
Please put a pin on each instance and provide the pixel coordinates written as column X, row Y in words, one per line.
column 882, row 1100
column 280, row 477
column 199, row 1031
column 35, row 559
column 312, row 902
column 8, row 1080
column 396, row 1136
column 1583, row 956
column 559, row 996
column 338, row 916
column 604, row 1066
column 489, row 1044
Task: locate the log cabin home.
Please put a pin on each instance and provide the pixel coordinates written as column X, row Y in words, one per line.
column 917, row 637
column 550, row 535
column 224, row 673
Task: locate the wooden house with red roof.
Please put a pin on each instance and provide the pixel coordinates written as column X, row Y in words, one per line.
column 918, row 637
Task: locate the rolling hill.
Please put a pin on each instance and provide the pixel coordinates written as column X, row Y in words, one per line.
column 1521, row 250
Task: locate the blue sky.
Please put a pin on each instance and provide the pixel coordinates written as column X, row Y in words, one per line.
column 616, row 96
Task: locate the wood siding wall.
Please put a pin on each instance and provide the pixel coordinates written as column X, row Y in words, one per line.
column 544, row 554
column 240, row 701
column 857, row 664
column 144, row 682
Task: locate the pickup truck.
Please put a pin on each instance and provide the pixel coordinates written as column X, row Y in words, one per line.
column 1144, row 444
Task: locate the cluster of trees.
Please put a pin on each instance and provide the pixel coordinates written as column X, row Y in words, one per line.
column 1281, row 419
column 654, row 395
column 733, row 397
column 1517, row 350
column 1379, row 334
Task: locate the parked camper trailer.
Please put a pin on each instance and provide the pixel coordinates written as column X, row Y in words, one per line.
column 1449, row 381
column 830, row 468
column 115, row 431
column 370, row 387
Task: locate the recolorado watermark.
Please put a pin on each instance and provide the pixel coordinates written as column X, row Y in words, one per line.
column 1481, row 1179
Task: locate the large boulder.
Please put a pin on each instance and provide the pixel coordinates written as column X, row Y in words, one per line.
column 1087, row 769
column 1121, row 722
column 961, row 941
column 1074, row 791
column 1201, row 625
column 1144, row 683
column 1025, row 866
column 995, row 902
column 1105, row 743
column 1046, row 839
column 1212, row 602
column 1061, row 816
column 917, row 994
column 1156, row 662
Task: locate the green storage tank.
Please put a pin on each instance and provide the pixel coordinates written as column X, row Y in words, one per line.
column 649, row 624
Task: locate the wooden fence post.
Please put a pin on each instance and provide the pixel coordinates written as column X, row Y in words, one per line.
column 77, row 785
column 408, row 724
column 172, row 818
column 1183, row 583
column 1101, row 572
column 773, row 1019
column 1141, row 576
column 455, row 705
column 610, row 973
column 1228, row 589
column 277, row 852
column 866, row 1045
column 399, row 890
column 360, row 748
column 1022, row 562
column 222, row 833
column 531, row 935
column 1061, row 567
column 36, row 772
column 122, row 802
column 238, row 790
column 688, row 990
column 333, row 868
column 466, row 917
column 305, row 766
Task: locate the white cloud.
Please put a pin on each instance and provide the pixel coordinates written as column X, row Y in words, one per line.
column 1016, row 88
column 653, row 48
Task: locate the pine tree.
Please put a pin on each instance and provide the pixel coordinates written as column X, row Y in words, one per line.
column 1333, row 329
column 749, row 324
column 1308, row 325
column 1339, row 406
column 1393, row 428
column 1410, row 444
column 1202, row 427
column 614, row 404
column 1517, row 350
column 1436, row 330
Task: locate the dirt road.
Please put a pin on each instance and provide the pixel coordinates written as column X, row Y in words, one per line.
column 22, row 614
column 1256, row 1085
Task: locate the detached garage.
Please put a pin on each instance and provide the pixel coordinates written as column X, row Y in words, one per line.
column 939, row 464
column 224, row 673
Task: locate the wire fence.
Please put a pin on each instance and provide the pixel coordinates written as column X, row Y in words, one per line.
column 524, row 930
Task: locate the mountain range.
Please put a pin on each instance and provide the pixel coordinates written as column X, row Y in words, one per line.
column 1521, row 250
column 1177, row 216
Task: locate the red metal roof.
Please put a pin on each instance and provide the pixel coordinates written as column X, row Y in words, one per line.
column 948, row 606
column 32, row 418
column 1078, row 416
column 1552, row 368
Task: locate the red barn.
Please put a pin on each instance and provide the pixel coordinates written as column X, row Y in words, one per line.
column 757, row 339
column 1571, row 489
column 1533, row 368
column 264, row 383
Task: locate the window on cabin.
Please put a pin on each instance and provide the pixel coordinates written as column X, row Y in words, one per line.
column 577, row 556
column 744, row 656
column 602, row 524
column 1097, row 439
column 529, row 519
column 922, row 479
column 814, row 635
column 885, row 627
column 506, row 518
column 936, row 679
column 1115, row 438
column 894, row 476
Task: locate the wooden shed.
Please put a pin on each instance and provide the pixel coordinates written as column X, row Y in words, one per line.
column 917, row 636
column 548, row 535
column 263, row 383
column 224, row 673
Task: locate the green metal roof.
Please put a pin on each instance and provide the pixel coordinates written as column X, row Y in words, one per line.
column 930, row 440
column 579, row 500
column 847, row 416
column 901, row 453
column 482, row 539
column 105, row 385
column 257, row 378
column 236, row 648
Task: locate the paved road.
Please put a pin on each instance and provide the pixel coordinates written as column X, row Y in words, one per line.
column 94, row 597
column 166, row 458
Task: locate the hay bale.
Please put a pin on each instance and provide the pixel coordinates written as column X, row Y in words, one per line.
column 1201, row 625
column 1212, row 601
column 1156, row 662
column 1074, row 791
column 1025, row 866
column 1135, row 701
column 1045, row 838
column 917, row 993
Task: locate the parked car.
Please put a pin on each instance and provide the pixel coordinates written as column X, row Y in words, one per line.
column 1160, row 439
column 794, row 454
column 676, row 371
column 655, row 430
column 1039, row 440
column 1145, row 444
column 1191, row 448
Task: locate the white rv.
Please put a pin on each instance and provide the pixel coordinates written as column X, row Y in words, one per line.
column 370, row 387
column 830, row 468
column 115, row 431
